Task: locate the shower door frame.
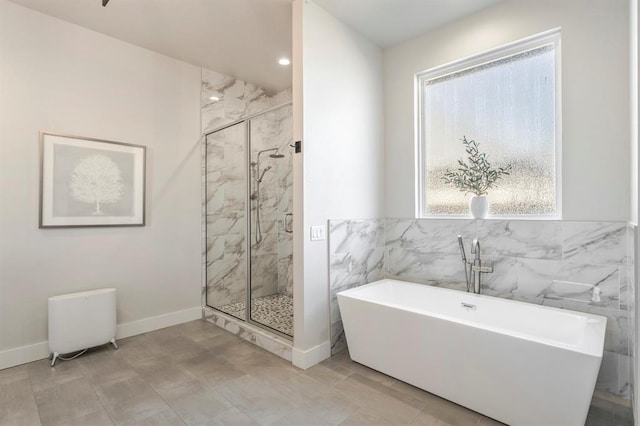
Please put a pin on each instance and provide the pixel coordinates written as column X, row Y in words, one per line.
column 247, row 209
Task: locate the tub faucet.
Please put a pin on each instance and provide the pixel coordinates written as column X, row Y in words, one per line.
column 477, row 267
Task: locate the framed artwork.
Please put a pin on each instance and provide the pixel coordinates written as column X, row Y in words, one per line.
column 90, row 182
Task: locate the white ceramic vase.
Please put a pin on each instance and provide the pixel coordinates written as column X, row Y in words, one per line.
column 479, row 206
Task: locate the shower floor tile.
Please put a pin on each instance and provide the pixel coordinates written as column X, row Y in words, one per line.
column 274, row 311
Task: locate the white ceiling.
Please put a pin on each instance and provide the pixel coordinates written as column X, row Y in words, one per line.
column 389, row 22
column 239, row 38
column 244, row 38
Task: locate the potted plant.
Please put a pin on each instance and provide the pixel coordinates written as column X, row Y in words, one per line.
column 475, row 176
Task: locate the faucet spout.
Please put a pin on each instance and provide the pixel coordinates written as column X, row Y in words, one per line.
column 477, row 267
column 475, row 248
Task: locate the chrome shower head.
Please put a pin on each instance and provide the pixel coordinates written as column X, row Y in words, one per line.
column 259, row 180
column 276, row 155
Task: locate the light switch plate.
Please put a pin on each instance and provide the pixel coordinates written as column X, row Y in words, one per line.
column 318, row 233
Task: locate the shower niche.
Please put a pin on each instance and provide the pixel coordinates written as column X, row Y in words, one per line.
column 249, row 220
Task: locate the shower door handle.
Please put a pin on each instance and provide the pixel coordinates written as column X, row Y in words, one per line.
column 288, row 223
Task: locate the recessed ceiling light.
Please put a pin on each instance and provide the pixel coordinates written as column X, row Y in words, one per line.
column 284, row 61
column 214, row 98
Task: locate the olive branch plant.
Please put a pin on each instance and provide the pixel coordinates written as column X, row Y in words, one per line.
column 476, row 175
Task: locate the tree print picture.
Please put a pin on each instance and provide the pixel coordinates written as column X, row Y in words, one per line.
column 96, row 180
column 91, row 182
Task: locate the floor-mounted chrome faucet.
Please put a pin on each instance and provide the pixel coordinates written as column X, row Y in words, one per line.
column 475, row 268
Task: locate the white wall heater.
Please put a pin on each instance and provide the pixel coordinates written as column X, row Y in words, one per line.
column 80, row 321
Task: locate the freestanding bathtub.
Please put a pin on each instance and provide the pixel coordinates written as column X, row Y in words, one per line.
column 518, row 363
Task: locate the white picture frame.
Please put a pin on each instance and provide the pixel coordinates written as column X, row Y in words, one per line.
column 90, row 182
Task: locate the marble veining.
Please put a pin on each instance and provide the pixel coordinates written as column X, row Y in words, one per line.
column 600, row 243
column 553, row 263
column 428, row 236
column 357, row 257
column 226, row 200
column 274, row 344
column 522, row 239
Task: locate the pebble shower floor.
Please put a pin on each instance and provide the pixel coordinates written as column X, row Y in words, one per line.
column 274, row 311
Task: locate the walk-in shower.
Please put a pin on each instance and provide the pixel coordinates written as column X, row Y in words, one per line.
column 249, row 189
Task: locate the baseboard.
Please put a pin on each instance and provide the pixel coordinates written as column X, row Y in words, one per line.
column 146, row 325
column 29, row 353
column 23, row 354
column 310, row 357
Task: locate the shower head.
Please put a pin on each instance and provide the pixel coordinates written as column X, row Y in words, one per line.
column 263, row 173
column 276, row 155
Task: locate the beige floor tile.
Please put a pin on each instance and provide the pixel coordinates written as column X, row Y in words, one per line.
column 196, row 373
column 177, row 347
column 98, row 418
column 138, row 349
column 106, row 367
column 447, row 413
column 301, row 416
column 17, row 404
column 13, row 374
column 366, row 417
column 378, row 403
column 256, row 399
column 324, row 374
column 211, row 369
column 60, row 404
column 130, row 400
column 317, row 399
column 244, row 354
column 206, row 407
column 43, row 376
column 200, row 330
column 273, row 375
column 163, row 373
column 182, row 389
column 163, row 418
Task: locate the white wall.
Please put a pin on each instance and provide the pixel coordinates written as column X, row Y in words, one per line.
column 59, row 77
column 595, row 97
column 342, row 140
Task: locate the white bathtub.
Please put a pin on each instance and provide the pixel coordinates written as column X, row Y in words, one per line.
column 518, row 363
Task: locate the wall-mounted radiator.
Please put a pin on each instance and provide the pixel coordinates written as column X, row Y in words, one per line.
column 82, row 320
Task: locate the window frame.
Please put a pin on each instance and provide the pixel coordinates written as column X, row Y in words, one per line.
column 552, row 37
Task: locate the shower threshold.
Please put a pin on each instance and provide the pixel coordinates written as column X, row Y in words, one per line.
column 274, row 311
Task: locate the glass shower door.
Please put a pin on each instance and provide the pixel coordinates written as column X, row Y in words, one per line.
column 226, row 216
column 271, row 226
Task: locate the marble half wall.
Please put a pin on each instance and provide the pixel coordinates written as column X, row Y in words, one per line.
column 356, row 257
column 552, row 263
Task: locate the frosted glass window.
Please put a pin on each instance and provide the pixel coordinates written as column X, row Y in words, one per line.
column 507, row 105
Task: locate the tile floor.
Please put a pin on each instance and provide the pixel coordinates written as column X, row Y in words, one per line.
column 198, row 374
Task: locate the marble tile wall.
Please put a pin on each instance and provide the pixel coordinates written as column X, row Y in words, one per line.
column 224, row 203
column 272, row 257
column 552, row 263
column 356, row 257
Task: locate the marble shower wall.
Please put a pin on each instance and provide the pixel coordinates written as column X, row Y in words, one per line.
column 356, row 257
column 272, row 257
column 223, row 174
column 553, row 263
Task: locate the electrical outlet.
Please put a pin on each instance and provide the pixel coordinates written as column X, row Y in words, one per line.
column 318, row 233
